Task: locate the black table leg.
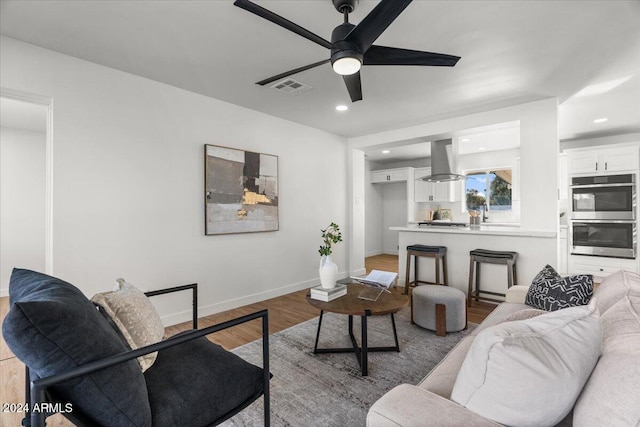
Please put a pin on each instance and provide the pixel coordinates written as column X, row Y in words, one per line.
column 315, row 348
column 354, row 342
column 365, row 360
column 361, row 351
column 395, row 333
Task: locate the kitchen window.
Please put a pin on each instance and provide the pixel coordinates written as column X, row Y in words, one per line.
column 490, row 187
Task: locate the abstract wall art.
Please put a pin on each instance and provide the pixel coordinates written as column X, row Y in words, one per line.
column 241, row 191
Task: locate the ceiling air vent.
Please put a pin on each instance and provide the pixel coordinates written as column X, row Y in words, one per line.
column 291, row 87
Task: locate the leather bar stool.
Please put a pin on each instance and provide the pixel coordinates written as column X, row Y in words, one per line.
column 438, row 253
column 478, row 256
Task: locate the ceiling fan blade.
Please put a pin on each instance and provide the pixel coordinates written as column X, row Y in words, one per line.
column 353, row 86
column 382, row 55
column 370, row 28
column 290, row 73
column 284, row 23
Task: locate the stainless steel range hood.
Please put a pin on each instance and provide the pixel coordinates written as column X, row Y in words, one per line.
column 443, row 162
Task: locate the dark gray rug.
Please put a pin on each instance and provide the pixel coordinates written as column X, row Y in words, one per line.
column 327, row 389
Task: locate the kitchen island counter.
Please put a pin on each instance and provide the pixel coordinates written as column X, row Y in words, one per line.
column 535, row 249
column 491, row 230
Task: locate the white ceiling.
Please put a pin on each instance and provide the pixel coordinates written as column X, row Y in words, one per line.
column 502, row 136
column 512, row 52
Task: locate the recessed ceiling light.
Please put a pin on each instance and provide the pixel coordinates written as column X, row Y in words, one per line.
column 465, row 140
column 342, row 108
column 482, row 148
column 600, row 120
column 385, row 151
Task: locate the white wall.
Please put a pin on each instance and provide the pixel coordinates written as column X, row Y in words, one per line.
column 128, row 185
column 373, row 213
column 357, row 204
column 394, row 213
column 22, row 201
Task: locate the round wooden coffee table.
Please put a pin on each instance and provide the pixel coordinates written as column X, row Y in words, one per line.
column 352, row 305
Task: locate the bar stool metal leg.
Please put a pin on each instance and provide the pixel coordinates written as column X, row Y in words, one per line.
column 477, row 291
column 471, row 265
column 444, row 270
column 509, row 275
column 407, row 273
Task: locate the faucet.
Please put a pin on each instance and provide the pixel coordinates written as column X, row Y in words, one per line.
column 484, row 213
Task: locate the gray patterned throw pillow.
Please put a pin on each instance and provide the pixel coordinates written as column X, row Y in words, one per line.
column 549, row 291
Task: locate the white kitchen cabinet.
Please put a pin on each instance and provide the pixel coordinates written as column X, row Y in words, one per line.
column 620, row 159
column 600, row 267
column 389, row 175
column 602, row 161
column 432, row 191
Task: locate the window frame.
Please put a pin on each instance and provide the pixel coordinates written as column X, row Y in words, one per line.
column 486, row 172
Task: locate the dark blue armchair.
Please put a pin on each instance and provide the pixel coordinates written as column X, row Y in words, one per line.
column 78, row 363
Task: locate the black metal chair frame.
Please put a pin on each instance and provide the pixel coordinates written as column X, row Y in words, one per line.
column 36, row 391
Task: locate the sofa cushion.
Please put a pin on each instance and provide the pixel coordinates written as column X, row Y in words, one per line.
column 553, row 293
column 614, row 287
column 530, row 372
column 134, row 315
column 498, row 315
column 525, row 314
column 207, row 384
column 409, row 406
column 610, row 397
column 52, row 327
column 442, row 377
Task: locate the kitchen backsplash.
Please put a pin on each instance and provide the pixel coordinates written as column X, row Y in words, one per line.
column 422, row 212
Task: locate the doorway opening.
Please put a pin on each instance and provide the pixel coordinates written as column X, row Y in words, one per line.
column 25, row 184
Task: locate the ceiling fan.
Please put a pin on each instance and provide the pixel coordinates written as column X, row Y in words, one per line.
column 352, row 45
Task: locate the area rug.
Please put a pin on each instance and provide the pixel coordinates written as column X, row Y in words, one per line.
column 327, row 389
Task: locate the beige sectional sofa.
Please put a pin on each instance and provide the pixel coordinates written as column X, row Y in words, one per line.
column 611, row 395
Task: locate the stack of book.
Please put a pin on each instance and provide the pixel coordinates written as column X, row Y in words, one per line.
column 327, row 295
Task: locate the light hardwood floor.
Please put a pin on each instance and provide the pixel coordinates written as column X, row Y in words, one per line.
column 284, row 311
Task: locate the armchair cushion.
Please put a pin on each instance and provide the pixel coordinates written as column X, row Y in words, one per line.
column 199, row 381
column 52, row 327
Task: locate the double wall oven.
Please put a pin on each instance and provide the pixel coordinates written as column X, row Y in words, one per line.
column 603, row 216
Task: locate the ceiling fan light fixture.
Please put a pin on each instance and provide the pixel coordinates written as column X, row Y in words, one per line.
column 347, row 65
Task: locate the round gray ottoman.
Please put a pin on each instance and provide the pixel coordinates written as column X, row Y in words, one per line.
column 439, row 308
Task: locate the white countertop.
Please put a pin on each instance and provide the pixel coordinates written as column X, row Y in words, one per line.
column 494, row 230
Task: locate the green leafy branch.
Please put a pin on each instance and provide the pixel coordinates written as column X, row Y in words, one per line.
column 331, row 235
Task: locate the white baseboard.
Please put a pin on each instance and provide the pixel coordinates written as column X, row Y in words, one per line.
column 207, row 310
column 373, row 253
column 360, row 272
column 4, row 292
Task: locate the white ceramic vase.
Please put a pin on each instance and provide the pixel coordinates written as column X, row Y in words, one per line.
column 328, row 272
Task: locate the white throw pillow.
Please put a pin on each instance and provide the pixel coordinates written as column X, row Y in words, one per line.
column 530, row 372
column 135, row 317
